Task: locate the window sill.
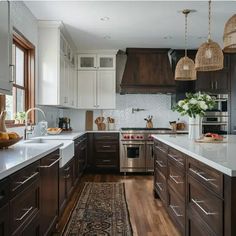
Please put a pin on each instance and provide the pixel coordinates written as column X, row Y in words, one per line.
column 12, row 124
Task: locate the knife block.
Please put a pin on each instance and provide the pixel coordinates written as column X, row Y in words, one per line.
column 149, row 124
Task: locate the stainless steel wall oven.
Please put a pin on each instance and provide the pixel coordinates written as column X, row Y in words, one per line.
column 217, row 119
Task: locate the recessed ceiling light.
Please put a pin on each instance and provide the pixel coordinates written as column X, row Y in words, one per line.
column 107, row 37
column 168, row 37
column 105, row 18
column 202, row 37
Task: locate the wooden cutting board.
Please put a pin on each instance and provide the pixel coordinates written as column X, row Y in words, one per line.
column 89, row 120
column 210, row 141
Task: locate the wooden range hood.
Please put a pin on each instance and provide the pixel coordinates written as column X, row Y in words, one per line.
column 147, row 71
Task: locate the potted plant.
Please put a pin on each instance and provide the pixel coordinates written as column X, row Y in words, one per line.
column 20, row 117
column 194, row 106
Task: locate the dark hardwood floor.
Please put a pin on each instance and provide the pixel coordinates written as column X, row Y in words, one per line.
column 148, row 216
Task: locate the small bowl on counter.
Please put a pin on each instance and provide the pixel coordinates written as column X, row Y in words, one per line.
column 54, row 131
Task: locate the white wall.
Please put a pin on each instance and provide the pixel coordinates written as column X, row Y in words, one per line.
column 26, row 23
column 157, row 105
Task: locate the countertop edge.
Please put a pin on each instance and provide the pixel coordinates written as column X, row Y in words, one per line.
column 218, row 167
column 20, row 166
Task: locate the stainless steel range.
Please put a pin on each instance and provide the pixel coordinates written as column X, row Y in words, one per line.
column 136, row 149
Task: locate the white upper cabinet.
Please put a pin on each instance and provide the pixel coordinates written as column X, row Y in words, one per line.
column 87, row 61
column 106, row 89
column 6, row 67
column 57, row 77
column 96, row 62
column 87, row 96
column 106, row 62
column 96, row 81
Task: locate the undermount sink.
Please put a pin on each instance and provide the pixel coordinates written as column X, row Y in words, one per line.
column 38, row 140
column 66, row 150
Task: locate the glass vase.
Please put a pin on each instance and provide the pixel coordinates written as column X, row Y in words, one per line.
column 195, row 128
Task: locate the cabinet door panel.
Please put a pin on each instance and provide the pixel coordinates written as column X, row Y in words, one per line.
column 5, row 48
column 106, row 89
column 87, row 62
column 62, row 81
column 106, row 62
column 4, row 220
column 87, row 89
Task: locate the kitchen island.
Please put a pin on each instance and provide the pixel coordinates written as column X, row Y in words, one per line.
column 197, row 183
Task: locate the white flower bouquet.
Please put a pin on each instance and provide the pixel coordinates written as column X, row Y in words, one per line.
column 195, row 104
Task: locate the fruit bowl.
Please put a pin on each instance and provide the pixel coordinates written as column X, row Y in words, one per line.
column 5, row 143
column 54, row 131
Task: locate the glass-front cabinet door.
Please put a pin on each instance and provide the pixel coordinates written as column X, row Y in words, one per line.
column 87, row 62
column 106, row 62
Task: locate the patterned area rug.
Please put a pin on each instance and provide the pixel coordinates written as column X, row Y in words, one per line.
column 101, row 211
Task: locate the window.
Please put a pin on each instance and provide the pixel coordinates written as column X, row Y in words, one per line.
column 22, row 97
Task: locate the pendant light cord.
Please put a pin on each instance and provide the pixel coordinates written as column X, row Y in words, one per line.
column 185, row 38
column 209, row 21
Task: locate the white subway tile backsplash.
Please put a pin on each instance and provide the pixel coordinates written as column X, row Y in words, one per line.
column 157, row 105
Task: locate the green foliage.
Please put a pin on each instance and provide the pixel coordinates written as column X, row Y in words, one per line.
column 195, row 104
column 21, row 116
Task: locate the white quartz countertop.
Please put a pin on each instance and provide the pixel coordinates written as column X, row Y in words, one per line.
column 22, row 154
column 220, row 156
column 65, row 135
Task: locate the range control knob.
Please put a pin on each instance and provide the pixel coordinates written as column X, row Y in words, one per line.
column 141, row 137
column 132, row 137
column 137, row 137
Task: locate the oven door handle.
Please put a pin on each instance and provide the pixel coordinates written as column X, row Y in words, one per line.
column 214, row 123
column 133, row 144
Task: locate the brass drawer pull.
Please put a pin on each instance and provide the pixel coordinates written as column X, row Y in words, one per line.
column 159, row 186
column 161, row 149
column 160, row 163
column 68, row 168
column 176, row 213
column 173, row 177
column 25, row 214
column 20, row 183
column 196, row 202
column 200, row 175
column 175, row 159
column 52, row 164
column 106, row 146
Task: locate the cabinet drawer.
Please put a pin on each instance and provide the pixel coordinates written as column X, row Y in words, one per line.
column 176, row 208
column 160, row 161
column 24, row 206
column 160, row 185
column 106, row 136
column 106, row 146
column 176, row 180
column 106, row 162
column 176, row 158
column 206, row 175
column 158, row 146
column 4, row 191
column 196, row 226
column 23, row 178
column 208, row 206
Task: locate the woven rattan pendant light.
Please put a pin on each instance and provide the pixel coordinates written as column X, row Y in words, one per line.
column 209, row 56
column 185, row 68
column 230, row 35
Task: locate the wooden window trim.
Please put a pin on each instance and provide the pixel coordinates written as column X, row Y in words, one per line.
column 28, row 47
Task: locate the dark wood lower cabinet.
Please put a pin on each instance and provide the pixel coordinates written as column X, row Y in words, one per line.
column 4, row 220
column 49, row 184
column 200, row 200
column 104, row 151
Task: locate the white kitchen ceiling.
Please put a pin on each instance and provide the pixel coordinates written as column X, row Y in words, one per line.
column 135, row 23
